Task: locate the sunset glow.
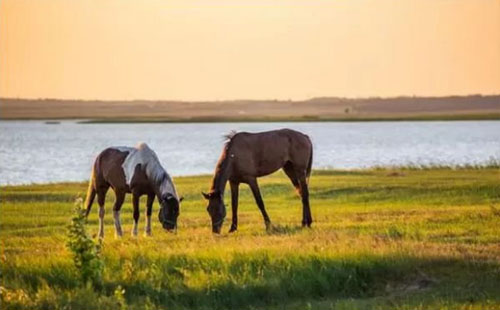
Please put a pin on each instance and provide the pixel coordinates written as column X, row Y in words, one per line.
column 215, row 50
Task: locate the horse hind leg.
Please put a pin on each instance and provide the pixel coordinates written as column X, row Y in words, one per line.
column 306, row 208
column 300, row 182
column 290, row 172
column 101, row 199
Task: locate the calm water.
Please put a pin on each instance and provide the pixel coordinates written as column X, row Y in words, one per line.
column 35, row 152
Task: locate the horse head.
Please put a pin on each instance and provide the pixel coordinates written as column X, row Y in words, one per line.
column 169, row 211
column 216, row 209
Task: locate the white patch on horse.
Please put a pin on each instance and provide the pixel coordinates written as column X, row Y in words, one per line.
column 134, row 230
column 148, row 225
column 118, row 225
column 151, row 166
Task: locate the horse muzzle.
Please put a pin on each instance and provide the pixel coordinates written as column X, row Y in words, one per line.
column 216, row 227
column 169, row 226
column 171, row 229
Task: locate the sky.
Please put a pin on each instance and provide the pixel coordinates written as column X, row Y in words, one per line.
column 248, row 49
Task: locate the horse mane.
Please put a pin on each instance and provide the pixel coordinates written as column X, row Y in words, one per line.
column 222, row 162
column 229, row 136
column 144, row 155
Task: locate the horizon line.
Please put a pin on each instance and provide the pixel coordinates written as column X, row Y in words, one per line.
column 239, row 100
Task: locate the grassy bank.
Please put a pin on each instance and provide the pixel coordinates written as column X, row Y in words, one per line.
column 474, row 107
column 304, row 118
column 408, row 239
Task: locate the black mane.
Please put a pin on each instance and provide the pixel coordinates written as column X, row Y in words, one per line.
column 229, row 137
column 222, row 163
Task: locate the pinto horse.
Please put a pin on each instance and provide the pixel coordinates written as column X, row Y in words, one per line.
column 247, row 156
column 135, row 170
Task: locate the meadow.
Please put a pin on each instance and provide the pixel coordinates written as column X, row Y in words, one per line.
column 381, row 239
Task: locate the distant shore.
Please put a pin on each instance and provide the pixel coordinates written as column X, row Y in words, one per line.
column 475, row 107
column 297, row 119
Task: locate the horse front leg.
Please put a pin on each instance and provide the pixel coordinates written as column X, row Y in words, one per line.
column 254, row 186
column 120, row 197
column 135, row 204
column 149, row 211
column 234, row 205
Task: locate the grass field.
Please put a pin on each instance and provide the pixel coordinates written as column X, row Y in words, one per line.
column 382, row 239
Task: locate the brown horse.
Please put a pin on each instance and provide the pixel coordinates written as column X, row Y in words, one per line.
column 247, row 156
column 138, row 171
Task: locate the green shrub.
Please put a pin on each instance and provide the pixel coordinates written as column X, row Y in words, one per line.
column 86, row 253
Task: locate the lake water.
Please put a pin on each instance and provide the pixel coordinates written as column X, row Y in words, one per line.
column 36, row 152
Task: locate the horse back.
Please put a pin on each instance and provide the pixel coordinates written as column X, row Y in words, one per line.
column 264, row 153
column 108, row 168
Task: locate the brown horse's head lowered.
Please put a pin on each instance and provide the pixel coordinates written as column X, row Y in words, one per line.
column 247, row 156
column 216, row 209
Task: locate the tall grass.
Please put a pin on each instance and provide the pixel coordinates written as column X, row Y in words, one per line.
column 415, row 239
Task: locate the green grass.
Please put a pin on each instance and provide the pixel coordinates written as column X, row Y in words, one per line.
column 382, row 239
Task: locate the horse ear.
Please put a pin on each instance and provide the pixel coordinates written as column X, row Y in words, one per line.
column 181, row 199
column 207, row 196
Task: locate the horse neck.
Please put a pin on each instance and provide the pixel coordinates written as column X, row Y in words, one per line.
column 222, row 173
column 160, row 187
column 159, row 180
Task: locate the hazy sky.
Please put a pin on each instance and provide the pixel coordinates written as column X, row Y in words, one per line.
column 211, row 49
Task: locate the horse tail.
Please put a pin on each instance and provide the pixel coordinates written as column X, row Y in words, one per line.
column 91, row 192
column 309, row 164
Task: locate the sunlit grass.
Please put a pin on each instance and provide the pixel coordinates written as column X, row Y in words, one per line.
column 388, row 239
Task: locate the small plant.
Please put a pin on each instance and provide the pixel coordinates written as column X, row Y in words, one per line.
column 15, row 298
column 120, row 297
column 86, row 253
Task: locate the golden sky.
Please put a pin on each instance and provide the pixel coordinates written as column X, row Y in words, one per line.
column 252, row 49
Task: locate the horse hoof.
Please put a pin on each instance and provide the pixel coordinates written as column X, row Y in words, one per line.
column 269, row 226
column 233, row 229
column 309, row 223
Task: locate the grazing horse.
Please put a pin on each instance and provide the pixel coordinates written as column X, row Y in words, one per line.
column 135, row 170
column 247, row 156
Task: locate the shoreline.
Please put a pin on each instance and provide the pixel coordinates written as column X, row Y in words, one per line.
column 472, row 107
column 488, row 117
column 305, row 119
